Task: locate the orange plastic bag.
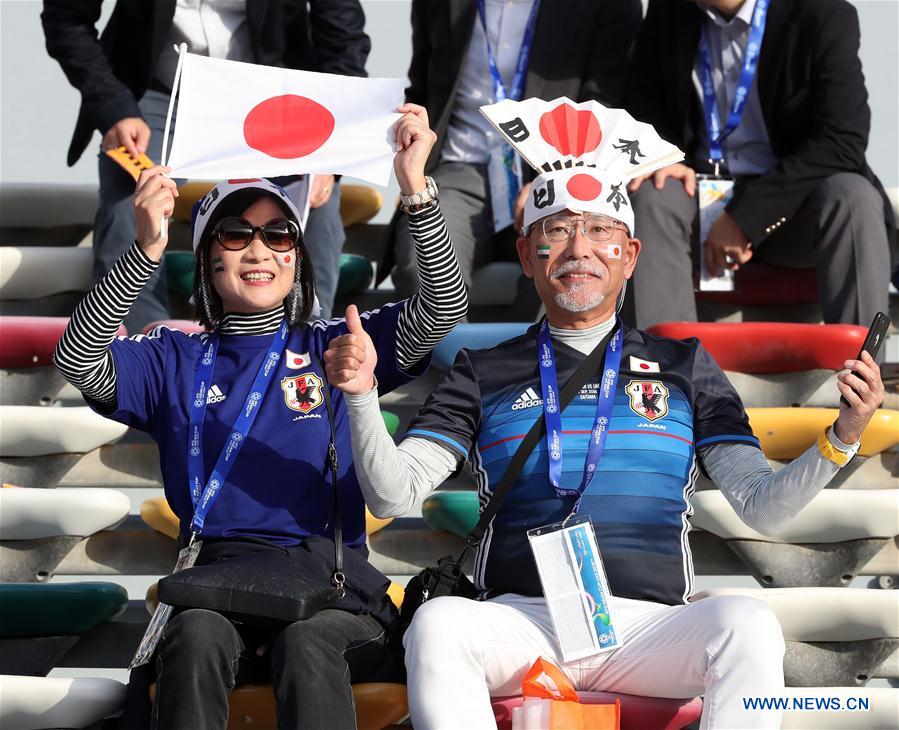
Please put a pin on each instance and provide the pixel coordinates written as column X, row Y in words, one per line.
column 552, row 703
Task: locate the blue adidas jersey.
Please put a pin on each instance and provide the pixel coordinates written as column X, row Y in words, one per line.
column 671, row 398
column 279, row 489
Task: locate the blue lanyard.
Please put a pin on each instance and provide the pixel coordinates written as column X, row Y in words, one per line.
column 201, row 497
column 517, row 90
column 744, row 83
column 605, row 402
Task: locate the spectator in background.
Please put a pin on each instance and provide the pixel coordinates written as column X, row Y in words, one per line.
column 577, row 49
column 125, row 78
column 803, row 194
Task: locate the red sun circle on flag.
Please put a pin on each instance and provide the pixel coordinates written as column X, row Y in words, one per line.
column 288, row 126
column 584, row 187
column 644, row 366
column 298, row 361
column 615, row 252
column 287, row 259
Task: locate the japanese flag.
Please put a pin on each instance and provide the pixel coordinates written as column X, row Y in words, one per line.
column 242, row 120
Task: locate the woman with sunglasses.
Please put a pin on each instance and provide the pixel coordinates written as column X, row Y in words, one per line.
column 257, row 373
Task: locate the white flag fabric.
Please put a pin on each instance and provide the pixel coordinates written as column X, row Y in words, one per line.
column 242, row 120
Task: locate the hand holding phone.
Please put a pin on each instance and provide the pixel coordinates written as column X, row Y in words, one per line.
column 877, row 333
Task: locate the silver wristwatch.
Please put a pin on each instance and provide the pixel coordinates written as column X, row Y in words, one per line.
column 422, row 199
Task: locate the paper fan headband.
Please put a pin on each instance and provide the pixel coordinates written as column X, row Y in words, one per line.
column 586, row 154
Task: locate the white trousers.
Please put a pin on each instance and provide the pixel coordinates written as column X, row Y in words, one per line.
column 460, row 652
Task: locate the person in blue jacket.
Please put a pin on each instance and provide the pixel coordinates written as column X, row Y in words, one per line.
column 239, row 415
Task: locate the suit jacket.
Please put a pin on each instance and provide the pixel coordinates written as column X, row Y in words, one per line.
column 114, row 71
column 580, row 50
column 811, row 89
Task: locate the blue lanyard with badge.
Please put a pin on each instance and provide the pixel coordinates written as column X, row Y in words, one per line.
column 716, row 191
column 566, row 553
column 202, row 496
column 504, row 166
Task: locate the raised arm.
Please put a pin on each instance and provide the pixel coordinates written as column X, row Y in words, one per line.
column 767, row 500
column 441, row 301
column 82, row 355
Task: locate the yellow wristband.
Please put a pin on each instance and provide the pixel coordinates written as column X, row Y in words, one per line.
column 830, row 452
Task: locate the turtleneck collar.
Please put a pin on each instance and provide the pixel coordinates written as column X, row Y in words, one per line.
column 586, row 339
column 255, row 323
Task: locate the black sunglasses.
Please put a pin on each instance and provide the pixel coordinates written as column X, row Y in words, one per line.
column 235, row 234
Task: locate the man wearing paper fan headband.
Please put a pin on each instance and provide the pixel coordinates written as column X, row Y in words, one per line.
column 616, row 446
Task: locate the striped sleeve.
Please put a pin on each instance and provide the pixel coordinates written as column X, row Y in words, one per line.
column 82, row 355
column 441, row 301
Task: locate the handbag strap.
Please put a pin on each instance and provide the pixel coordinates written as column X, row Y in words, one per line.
column 590, row 364
column 337, row 578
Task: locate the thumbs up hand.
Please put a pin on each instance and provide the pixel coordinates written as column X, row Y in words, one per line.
column 351, row 358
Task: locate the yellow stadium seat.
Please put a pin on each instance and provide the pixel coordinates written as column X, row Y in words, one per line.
column 378, row 705
column 786, row 432
column 188, row 194
column 157, row 514
column 358, row 204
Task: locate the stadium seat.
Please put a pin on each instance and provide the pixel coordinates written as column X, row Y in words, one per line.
column 157, row 514
column 757, row 284
column 33, row 514
column 57, row 702
column 762, row 348
column 356, row 274
column 474, row 337
column 826, row 544
column 179, row 272
column 28, row 342
column 785, row 433
column 358, row 204
column 33, row 272
column 378, row 705
column 57, row 609
column 38, row 431
column 495, row 285
column 835, row 636
column 637, row 713
column 453, row 511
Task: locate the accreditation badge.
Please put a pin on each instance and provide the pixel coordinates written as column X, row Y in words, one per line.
column 503, row 174
column 713, row 194
column 186, row 559
column 575, row 587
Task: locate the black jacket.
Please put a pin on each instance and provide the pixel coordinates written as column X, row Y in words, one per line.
column 114, row 71
column 811, row 88
column 580, row 50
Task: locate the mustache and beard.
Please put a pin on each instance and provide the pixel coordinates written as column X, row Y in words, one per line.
column 579, row 296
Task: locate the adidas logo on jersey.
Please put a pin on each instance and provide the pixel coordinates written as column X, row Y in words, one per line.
column 526, row 400
column 214, row 395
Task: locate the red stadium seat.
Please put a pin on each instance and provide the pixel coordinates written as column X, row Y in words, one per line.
column 28, row 342
column 757, row 284
column 637, row 713
column 771, row 347
column 183, row 325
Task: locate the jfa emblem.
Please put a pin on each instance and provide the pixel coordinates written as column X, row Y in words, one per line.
column 303, row 393
column 649, row 399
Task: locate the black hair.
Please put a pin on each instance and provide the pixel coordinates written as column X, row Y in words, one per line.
column 297, row 304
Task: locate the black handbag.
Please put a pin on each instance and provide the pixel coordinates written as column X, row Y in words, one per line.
column 253, row 581
column 448, row 577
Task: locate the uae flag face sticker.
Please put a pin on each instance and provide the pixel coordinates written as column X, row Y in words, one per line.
column 542, row 251
column 242, row 120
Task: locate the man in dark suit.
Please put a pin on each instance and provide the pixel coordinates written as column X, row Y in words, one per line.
column 580, row 49
column 803, row 193
column 125, row 80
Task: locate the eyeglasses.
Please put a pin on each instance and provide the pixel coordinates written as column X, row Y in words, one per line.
column 597, row 228
column 235, row 234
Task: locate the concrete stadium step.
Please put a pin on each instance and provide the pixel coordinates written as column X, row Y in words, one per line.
column 835, row 636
